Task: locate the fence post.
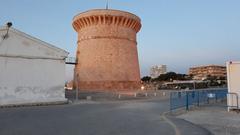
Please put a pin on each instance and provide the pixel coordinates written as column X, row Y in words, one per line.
column 216, row 98
column 187, row 104
column 170, row 101
column 198, row 99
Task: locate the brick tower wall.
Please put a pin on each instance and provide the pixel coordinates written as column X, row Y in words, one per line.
column 107, row 50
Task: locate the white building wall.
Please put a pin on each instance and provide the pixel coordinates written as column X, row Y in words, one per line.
column 31, row 71
column 31, row 80
column 233, row 76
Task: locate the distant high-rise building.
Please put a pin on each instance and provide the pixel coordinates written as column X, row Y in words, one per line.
column 157, row 70
column 202, row 72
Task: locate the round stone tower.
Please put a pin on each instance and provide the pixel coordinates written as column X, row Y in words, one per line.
column 107, row 57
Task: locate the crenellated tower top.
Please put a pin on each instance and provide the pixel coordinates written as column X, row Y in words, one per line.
column 106, row 17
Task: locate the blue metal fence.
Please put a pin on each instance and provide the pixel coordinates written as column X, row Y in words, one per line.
column 197, row 97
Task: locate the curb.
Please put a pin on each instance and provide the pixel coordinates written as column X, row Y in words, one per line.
column 34, row 104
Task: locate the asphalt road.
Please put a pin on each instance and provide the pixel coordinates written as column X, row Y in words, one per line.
column 133, row 117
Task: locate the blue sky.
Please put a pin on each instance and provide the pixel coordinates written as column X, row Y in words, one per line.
column 178, row 33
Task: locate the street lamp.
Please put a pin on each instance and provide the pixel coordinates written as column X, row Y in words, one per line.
column 76, row 83
column 9, row 24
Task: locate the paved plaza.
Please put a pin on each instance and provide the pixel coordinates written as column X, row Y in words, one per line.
column 216, row 119
column 129, row 117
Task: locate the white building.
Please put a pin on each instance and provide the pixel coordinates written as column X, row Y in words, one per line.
column 155, row 71
column 233, row 77
column 31, row 71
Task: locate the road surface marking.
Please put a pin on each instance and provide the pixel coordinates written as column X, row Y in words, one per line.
column 177, row 132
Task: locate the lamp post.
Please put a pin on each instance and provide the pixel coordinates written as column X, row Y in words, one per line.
column 76, row 82
column 9, row 24
column 194, row 85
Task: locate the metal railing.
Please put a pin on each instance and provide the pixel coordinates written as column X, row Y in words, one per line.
column 186, row 99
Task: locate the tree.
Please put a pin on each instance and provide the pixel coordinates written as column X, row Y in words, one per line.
column 171, row 76
column 146, row 78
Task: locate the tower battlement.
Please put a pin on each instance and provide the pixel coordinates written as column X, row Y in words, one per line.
column 106, row 17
